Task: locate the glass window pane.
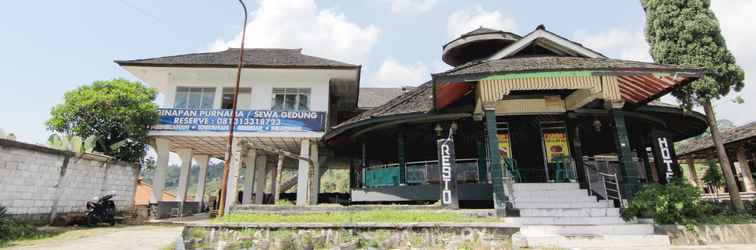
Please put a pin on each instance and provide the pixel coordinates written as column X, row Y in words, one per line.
column 278, row 102
column 208, row 96
column 290, row 102
column 304, row 102
column 195, row 99
column 180, row 100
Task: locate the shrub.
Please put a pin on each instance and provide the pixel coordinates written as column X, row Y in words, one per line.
column 11, row 230
column 674, row 203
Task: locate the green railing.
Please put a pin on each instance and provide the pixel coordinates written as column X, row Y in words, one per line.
column 419, row 172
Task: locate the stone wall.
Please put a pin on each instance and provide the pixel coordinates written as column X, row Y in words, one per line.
column 709, row 234
column 38, row 183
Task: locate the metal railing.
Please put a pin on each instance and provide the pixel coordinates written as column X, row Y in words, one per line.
column 601, row 175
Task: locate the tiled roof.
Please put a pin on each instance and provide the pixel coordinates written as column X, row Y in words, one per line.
column 257, row 57
column 728, row 136
column 417, row 100
column 553, row 63
column 374, row 97
column 144, row 191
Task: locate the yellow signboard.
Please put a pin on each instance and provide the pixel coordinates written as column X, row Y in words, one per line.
column 505, row 150
column 556, row 145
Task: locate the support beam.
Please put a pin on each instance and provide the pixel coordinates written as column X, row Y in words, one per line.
column 202, row 161
column 499, row 196
column 276, row 178
column 692, row 175
column 163, row 148
column 186, row 165
column 303, row 174
column 628, row 170
column 314, row 175
column 261, row 173
column 745, row 170
column 249, row 176
column 232, row 185
column 401, row 157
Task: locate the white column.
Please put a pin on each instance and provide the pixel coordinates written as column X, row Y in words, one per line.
column 202, row 161
column 745, row 170
column 232, row 189
column 163, row 148
column 249, row 176
column 303, row 174
column 275, row 187
column 186, row 164
column 261, row 172
column 314, row 175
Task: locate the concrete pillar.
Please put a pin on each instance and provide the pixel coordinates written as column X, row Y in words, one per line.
column 314, row 175
column 692, row 175
column 163, row 148
column 630, row 180
column 500, row 198
column 303, row 174
column 202, row 161
column 261, row 172
column 249, row 176
column 232, row 188
column 745, row 170
column 186, row 164
column 275, row 178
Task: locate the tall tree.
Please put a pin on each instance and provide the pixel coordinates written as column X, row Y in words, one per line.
column 118, row 112
column 687, row 32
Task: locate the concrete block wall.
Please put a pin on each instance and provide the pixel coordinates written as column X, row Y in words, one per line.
column 36, row 182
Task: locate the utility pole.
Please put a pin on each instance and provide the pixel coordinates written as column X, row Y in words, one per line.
column 231, row 126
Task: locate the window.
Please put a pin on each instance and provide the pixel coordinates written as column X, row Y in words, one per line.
column 194, row 98
column 243, row 102
column 291, row 99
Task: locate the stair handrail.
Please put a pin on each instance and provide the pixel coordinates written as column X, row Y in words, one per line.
column 609, row 180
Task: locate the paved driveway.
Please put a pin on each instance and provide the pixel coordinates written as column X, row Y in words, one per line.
column 136, row 237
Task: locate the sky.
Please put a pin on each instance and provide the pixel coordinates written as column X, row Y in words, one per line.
column 49, row 48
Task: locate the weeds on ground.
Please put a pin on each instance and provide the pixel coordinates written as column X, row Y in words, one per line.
column 374, row 216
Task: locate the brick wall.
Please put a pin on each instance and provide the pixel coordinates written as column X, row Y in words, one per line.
column 37, row 182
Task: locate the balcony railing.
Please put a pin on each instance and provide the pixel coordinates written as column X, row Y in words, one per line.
column 246, row 120
column 418, row 172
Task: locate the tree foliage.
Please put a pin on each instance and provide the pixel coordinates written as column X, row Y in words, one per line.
column 674, row 203
column 118, row 112
column 713, row 177
column 72, row 143
column 687, row 32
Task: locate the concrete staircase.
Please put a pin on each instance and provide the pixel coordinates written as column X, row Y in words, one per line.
column 562, row 215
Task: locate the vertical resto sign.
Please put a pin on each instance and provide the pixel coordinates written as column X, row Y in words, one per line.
column 448, row 180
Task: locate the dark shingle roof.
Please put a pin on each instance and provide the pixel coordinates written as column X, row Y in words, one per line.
column 553, row 63
column 417, row 100
column 728, row 136
column 374, row 97
column 257, row 57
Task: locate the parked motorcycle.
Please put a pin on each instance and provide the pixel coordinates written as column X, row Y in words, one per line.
column 101, row 210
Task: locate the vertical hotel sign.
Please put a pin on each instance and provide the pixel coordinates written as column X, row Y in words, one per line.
column 448, row 184
column 665, row 158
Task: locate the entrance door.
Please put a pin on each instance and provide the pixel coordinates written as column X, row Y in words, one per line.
column 527, row 147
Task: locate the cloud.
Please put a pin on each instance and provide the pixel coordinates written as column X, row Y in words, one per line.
column 301, row 24
column 392, row 73
column 466, row 20
column 617, row 43
column 737, row 22
column 411, row 7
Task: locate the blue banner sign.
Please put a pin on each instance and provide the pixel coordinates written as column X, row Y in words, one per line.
column 246, row 120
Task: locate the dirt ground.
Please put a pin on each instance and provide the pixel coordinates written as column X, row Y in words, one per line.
column 129, row 237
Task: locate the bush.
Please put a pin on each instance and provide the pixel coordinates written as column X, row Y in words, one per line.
column 12, row 230
column 674, row 203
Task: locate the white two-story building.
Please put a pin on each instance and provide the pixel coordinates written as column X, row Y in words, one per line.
column 286, row 102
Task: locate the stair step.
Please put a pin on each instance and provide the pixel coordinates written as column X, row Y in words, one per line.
column 552, row 193
column 555, row 199
column 576, row 212
column 626, row 229
column 545, row 186
column 592, row 242
column 566, row 220
column 563, row 204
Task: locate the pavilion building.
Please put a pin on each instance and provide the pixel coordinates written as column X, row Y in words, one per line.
column 537, row 108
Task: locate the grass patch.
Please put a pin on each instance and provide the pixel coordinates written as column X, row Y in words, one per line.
column 374, row 216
